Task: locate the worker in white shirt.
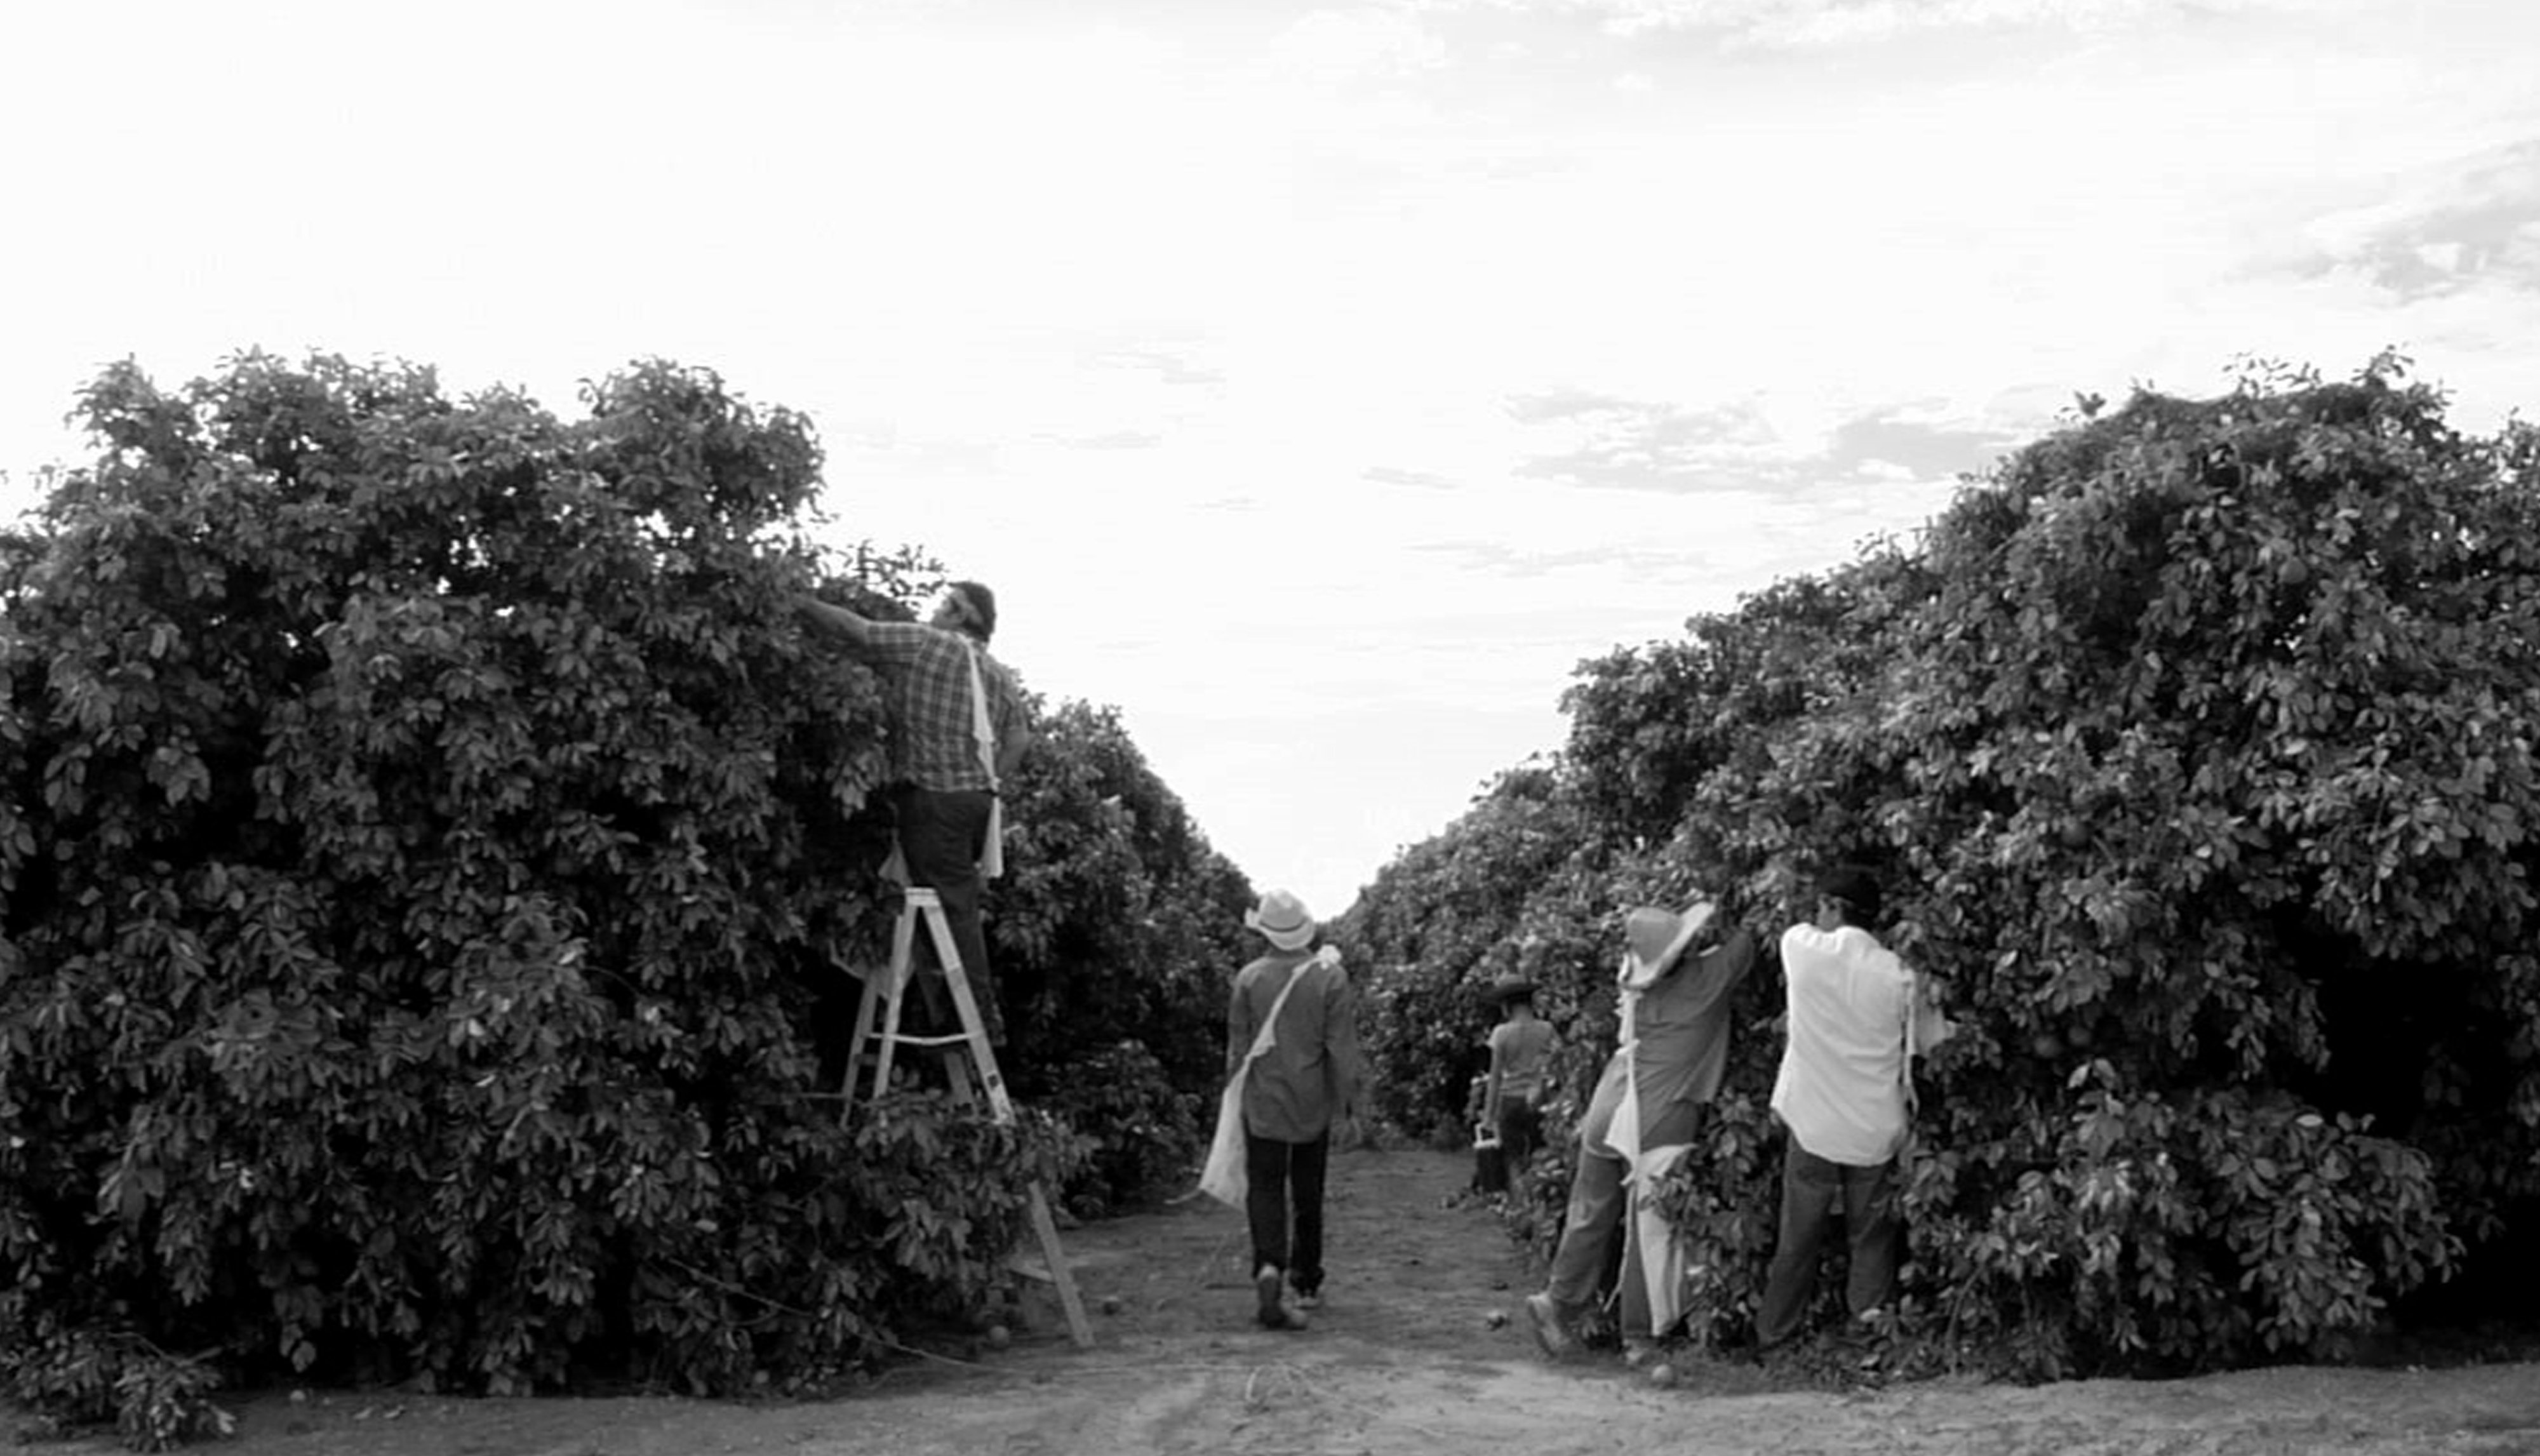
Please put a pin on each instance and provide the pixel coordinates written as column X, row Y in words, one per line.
column 1855, row 1023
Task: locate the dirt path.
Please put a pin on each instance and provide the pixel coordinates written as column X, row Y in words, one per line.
column 1404, row 1358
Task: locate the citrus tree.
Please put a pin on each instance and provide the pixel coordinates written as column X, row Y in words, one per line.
column 2193, row 746
column 430, row 845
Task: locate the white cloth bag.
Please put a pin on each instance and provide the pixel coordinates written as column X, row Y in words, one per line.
column 992, row 861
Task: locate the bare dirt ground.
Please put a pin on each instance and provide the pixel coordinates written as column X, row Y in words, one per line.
column 1403, row 1357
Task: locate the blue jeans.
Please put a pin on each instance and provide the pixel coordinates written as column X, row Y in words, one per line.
column 1286, row 1179
column 1812, row 1188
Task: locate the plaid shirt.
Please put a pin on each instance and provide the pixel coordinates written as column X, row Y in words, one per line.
column 929, row 671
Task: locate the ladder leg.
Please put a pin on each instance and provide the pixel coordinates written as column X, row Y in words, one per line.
column 958, row 1078
column 992, row 1082
column 1079, row 1329
column 897, row 978
column 966, row 1060
column 856, row 1043
column 965, row 1003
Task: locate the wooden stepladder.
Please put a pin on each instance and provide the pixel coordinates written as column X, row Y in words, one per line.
column 966, row 1054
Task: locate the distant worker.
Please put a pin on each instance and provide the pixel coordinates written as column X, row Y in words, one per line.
column 958, row 728
column 1854, row 1025
column 1520, row 1048
column 1292, row 1036
column 1641, row 1120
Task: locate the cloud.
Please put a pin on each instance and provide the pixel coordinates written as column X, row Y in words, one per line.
column 1884, row 443
column 1498, row 559
column 1117, row 440
column 1417, row 479
column 2470, row 220
column 1633, row 446
column 1563, row 404
column 1168, row 368
column 1826, row 24
column 1517, row 166
column 904, row 459
column 1336, row 46
column 1743, row 446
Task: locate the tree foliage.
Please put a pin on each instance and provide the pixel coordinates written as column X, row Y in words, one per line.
column 2195, row 746
column 430, row 845
column 1452, row 914
column 1117, row 937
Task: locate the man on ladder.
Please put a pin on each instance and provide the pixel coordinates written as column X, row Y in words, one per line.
column 958, row 728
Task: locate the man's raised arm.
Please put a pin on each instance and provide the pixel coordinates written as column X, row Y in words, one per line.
column 836, row 621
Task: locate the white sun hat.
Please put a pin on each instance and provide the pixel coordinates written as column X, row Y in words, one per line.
column 1282, row 919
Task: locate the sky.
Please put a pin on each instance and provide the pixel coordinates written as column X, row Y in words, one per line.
column 1316, row 384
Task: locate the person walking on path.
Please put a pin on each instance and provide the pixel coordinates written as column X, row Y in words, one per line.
column 1521, row 1047
column 1843, row 1094
column 1644, row 1115
column 1307, row 1078
column 959, row 729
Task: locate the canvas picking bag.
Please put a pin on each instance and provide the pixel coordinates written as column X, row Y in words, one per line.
column 992, row 861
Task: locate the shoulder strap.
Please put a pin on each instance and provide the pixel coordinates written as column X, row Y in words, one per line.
column 1261, row 1039
column 984, row 728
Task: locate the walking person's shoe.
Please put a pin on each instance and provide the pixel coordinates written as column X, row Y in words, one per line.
column 1551, row 1330
column 1310, row 1299
column 1274, row 1312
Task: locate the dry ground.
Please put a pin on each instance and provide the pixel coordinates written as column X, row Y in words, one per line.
column 1404, row 1357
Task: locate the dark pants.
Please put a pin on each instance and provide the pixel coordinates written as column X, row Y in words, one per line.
column 1587, row 1263
column 1286, row 1177
column 1600, row 1253
column 1521, row 1131
column 941, row 836
column 1812, row 1188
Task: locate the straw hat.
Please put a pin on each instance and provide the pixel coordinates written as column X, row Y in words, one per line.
column 1653, row 938
column 1282, row 919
